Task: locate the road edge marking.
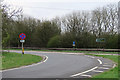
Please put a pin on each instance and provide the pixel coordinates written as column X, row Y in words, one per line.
column 103, row 68
column 83, row 72
column 99, row 61
column 114, row 66
column 97, row 71
column 107, row 65
column 86, row 75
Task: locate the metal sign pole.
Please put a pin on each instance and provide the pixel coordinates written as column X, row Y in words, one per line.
column 22, row 36
column 22, row 49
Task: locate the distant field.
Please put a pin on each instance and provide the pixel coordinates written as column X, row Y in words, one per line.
column 13, row 60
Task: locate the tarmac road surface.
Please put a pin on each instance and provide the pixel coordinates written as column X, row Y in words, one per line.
column 58, row 65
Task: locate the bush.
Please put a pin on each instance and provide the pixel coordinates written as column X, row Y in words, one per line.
column 112, row 42
column 54, row 42
column 67, row 40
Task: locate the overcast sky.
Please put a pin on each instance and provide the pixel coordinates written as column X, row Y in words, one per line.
column 48, row 9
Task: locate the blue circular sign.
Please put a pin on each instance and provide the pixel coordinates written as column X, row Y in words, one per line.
column 73, row 42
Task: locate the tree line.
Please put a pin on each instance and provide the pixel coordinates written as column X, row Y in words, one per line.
column 83, row 27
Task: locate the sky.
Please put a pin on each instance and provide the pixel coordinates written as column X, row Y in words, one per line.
column 48, row 9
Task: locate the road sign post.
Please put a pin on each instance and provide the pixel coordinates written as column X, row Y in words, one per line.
column 22, row 49
column 73, row 44
column 22, row 41
column 100, row 41
column 22, row 37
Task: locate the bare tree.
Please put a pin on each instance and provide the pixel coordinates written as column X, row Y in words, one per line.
column 8, row 16
column 76, row 22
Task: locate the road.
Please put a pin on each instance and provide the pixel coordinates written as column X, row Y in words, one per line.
column 58, row 65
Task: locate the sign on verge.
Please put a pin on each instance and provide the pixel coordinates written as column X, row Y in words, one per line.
column 22, row 36
column 100, row 40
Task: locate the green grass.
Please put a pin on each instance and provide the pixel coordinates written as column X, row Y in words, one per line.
column 13, row 60
column 113, row 73
column 72, row 51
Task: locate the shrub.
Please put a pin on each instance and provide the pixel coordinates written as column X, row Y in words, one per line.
column 54, row 42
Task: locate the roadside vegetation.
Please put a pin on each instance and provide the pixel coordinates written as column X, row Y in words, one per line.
column 83, row 27
column 112, row 73
column 13, row 60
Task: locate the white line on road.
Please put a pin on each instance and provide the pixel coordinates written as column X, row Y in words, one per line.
column 114, row 65
column 97, row 71
column 46, row 58
column 99, row 61
column 103, row 68
column 107, row 65
column 86, row 75
column 83, row 72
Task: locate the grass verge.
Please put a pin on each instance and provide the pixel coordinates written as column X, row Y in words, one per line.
column 112, row 73
column 13, row 60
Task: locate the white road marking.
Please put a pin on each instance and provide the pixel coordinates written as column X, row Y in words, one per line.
column 114, row 65
column 45, row 59
column 97, row 71
column 103, row 68
column 99, row 61
column 106, row 65
column 83, row 72
column 86, row 75
column 28, row 65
